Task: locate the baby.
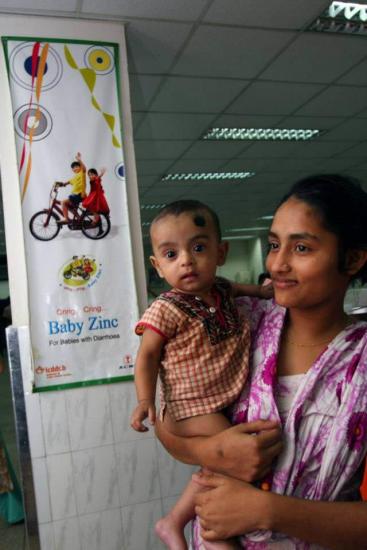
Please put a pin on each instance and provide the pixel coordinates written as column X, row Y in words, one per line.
column 194, row 338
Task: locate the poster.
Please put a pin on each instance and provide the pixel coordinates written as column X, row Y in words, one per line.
column 67, row 123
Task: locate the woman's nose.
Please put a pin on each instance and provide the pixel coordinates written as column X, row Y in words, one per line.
column 280, row 262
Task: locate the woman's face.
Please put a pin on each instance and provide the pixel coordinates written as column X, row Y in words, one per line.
column 303, row 258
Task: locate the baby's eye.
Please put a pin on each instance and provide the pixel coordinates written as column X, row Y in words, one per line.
column 199, row 247
column 170, row 254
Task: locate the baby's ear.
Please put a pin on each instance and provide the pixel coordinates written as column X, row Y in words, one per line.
column 153, row 260
column 355, row 260
column 222, row 252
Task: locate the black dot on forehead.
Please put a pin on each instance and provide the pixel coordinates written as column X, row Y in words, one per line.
column 199, row 220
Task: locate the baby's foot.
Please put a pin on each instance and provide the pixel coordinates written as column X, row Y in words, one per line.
column 170, row 533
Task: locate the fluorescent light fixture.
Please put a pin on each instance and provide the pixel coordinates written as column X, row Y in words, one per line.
column 266, row 217
column 264, row 134
column 240, row 238
column 239, row 229
column 151, row 206
column 208, row 176
column 343, row 17
column 348, row 10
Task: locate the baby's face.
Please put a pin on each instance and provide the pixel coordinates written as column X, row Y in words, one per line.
column 92, row 176
column 187, row 251
column 76, row 169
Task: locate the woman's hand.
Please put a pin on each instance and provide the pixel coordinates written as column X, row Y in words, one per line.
column 228, row 507
column 245, row 451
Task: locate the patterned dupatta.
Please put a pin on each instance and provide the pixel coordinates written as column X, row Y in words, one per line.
column 334, row 391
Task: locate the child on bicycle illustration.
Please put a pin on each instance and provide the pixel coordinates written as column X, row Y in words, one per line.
column 78, row 184
column 91, row 218
column 96, row 202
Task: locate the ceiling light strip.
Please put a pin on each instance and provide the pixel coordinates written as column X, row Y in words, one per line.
column 348, row 10
column 240, row 229
column 208, row 176
column 265, row 134
column 151, row 206
column 342, row 17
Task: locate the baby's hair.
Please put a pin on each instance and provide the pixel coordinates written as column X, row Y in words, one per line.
column 75, row 163
column 194, row 207
column 93, row 171
column 342, row 204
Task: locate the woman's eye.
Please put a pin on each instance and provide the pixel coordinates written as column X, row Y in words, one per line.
column 170, row 254
column 301, row 248
column 199, row 248
column 273, row 246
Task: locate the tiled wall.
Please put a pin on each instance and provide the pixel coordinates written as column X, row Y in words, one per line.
column 99, row 485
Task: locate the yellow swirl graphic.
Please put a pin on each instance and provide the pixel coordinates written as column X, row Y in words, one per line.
column 89, row 77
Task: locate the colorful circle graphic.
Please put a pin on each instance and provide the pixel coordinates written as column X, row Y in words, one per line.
column 78, row 271
column 120, row 171
column 21, row 67
column 32, row 119
column 100, row 59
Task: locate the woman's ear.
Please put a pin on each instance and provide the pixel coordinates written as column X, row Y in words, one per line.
column 355, row 260
column 222, row 252
column 153, row 260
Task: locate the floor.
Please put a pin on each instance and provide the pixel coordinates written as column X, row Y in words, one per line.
column 12, row 537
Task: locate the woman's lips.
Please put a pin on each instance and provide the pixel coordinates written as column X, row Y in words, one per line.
column 284, row 283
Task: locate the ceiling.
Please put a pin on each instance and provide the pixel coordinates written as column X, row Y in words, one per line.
column 195, row 64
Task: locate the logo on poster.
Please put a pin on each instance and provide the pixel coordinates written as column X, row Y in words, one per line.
column 54, row 371
column 79, row 273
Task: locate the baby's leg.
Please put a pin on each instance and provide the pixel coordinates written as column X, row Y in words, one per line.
column 170, row 528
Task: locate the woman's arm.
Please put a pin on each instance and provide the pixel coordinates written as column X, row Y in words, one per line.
column 230, row 507
column 245, row 451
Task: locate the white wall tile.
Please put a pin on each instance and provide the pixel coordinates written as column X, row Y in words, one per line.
column 138, row 523
column 40, row 481
column 96, row 479
column 34, row 422
column 54, row 421
column 173, row 474
column 123, row 401
column 137, row 465
column 61, row 485
column 46, row 532
column 89, row 417
column 102, row 531
column 67, row 535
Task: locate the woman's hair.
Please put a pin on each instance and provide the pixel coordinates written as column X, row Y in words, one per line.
column 342, row 204
column 93, row 171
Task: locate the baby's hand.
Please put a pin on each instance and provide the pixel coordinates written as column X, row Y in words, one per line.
column 266, row 291
column 144, row 409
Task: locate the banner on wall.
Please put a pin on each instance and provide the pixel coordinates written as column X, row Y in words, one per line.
column 83, row 303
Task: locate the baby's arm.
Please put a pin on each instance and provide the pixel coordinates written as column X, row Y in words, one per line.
column 146, row 374
column 102, row 172
column 256, row 291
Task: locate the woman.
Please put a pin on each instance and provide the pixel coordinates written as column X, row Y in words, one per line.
column 309, row 372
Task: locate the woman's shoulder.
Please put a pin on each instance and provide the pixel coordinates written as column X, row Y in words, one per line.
column 251, row 305
column 355, row 332
column 257, row 310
